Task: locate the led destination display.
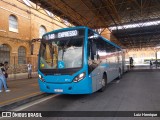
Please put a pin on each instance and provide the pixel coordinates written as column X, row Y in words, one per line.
column 64, row 34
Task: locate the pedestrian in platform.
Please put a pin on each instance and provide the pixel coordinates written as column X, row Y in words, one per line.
column 3, row 79
column 151, row 64
column 131, row 62
column 5, row 69
column 29, row 70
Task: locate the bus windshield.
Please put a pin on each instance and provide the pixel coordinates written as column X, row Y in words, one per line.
column 61, row 53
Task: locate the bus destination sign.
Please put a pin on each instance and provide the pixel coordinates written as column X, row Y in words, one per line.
column 64, row 34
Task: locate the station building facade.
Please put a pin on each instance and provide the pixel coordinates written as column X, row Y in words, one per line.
column 20, row 22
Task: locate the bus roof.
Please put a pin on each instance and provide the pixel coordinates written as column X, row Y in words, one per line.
column 65, row 29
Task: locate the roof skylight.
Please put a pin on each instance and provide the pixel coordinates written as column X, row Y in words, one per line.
column 27, row 2
column 127, row 26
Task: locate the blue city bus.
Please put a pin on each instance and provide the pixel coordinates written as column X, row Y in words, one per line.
column 77, row 60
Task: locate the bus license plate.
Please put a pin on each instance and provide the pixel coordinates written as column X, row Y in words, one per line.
column 58, row 90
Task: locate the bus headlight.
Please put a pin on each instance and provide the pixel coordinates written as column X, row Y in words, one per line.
column 41, row 78
column 79, row 77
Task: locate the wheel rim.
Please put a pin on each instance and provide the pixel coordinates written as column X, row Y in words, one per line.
column 119, row 74
column 103, row 82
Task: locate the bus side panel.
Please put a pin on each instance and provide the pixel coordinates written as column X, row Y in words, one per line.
column 101, row 70
column 110, row 64
column 96, row 78
column 106, row 53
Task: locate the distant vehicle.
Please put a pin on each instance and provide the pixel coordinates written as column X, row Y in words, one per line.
column 77, row 61
column 157, row 63
column 153, row 61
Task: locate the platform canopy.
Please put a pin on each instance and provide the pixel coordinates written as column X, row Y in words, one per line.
column 124, row 18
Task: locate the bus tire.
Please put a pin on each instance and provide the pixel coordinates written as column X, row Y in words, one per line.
column 104, row 83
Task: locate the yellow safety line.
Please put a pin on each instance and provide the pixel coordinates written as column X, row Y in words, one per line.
column 1, row 103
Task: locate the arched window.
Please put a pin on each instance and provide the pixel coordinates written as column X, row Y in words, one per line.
column 21, row 55
column 13, row 24
column 4, row 53
column 42, row 31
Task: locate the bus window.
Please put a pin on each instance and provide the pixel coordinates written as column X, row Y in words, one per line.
column 93, row 57
column 62, row 53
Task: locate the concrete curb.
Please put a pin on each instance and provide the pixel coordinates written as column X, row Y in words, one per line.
column 22, row 102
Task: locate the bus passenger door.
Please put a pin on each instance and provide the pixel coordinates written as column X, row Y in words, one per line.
column 93, row 65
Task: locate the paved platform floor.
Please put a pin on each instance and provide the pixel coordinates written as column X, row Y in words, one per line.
column 20, row 89
column 138, row 90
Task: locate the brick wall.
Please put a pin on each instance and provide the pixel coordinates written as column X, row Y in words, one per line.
column 29, row 22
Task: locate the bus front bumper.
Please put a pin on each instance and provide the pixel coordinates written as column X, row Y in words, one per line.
column 66, row 88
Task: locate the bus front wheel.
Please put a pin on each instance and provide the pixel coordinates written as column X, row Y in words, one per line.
column 104, row 83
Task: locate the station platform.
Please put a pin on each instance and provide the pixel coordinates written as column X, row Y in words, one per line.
column 145, row 68
column 22, row 91
column 27, row 90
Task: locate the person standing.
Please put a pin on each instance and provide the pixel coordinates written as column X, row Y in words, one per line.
column 131, row 62
column 150, row 63
column 29, row 70
column 5, row 69
column 2, row 79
